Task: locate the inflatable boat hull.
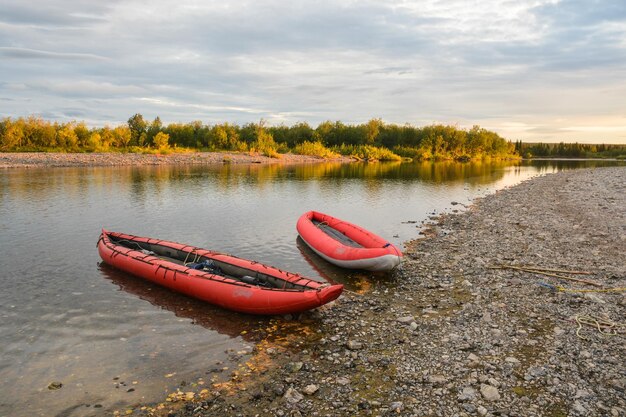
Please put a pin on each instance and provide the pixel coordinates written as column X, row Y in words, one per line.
column 240, row 285
column 345, row 244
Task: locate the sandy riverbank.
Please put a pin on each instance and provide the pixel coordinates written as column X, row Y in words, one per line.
column 449, row 335
column 45, row 159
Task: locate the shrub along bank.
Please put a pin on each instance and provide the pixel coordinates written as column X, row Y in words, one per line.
column 374, row 140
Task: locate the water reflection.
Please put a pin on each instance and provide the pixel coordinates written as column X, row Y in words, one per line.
column 30, row 184
column 555, row 165
column 359, row 282
column 139, row 181
column 225, row 322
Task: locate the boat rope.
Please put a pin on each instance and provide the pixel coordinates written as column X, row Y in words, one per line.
column 196, row 256
column 131, row 242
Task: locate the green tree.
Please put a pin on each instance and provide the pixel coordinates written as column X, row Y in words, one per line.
column 82, row 134
column 264, row 142
column 181, row 134
column 248, row 133
column 372, row 130
column 154, row 128
column 137, row 126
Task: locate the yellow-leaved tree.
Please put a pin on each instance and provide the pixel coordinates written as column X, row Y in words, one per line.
column 161, row 141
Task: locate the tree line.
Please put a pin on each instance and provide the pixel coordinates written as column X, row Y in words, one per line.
column 372, row 140
column 569, row 150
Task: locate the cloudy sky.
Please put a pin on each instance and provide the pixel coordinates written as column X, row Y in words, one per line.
column 534, row 70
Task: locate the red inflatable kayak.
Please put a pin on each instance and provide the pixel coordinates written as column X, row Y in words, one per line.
column 345, row 244
column 224, row 280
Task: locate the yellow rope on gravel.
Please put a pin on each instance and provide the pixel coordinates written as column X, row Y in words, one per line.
column 606, row 327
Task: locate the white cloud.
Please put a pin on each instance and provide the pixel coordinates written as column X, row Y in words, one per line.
column 479, row 21
column 514, row 66
column 164, row 103
column 26, row 53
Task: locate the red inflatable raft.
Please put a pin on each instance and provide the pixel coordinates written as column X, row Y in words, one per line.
column 345, row 244
column 227, row 281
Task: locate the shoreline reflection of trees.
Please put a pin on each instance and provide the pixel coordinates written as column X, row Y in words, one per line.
column 552, row 165
column 211, row 317
column 227, row 177
column 138, row 181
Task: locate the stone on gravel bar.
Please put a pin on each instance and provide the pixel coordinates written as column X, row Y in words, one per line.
column 406, row 319
column 354, row 345
column 293, row 396
column 489, row 392
column 310, row 389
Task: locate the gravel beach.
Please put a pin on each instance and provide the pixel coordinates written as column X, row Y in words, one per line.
column 51, row 159
column 452, row 333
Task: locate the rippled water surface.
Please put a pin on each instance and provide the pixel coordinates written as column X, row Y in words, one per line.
column 114, row 340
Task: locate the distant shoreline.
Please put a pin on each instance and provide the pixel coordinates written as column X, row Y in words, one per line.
column 571, row 159
column 102, row 159
column 50, row 159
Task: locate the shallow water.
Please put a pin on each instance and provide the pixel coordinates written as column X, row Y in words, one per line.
column 114, row 340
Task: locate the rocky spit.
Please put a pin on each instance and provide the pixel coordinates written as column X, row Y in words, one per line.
column 51, row 159
column 452, row 333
